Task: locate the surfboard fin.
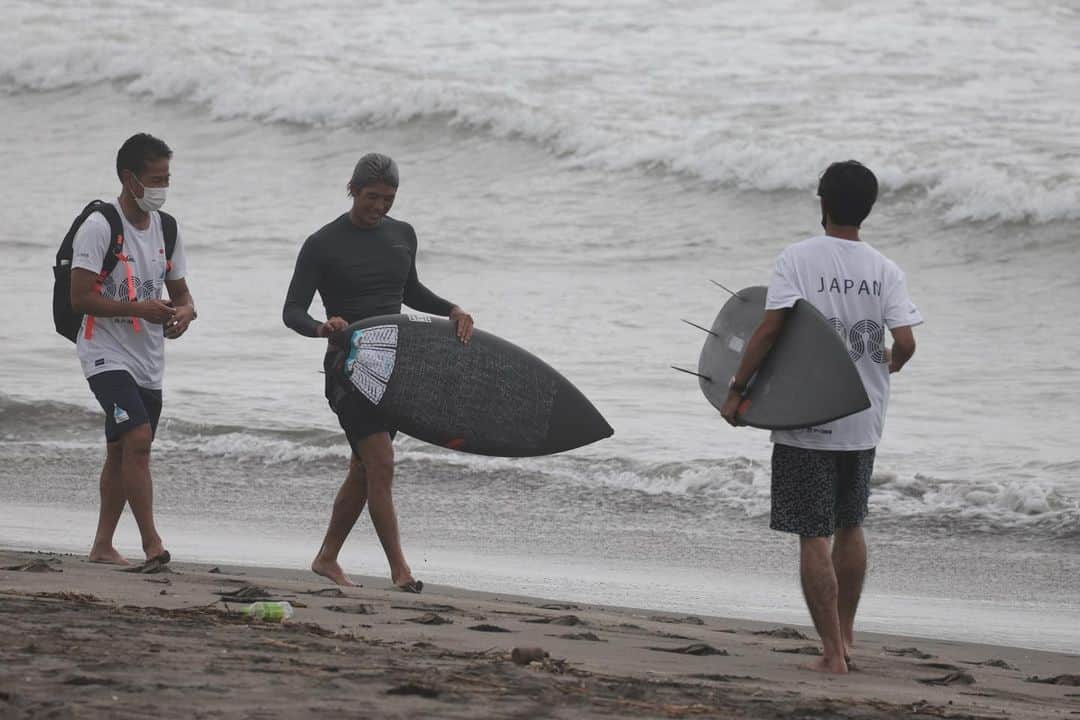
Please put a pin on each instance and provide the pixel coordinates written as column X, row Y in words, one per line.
column 735, row 294
column 691, row 372
column 701, row 328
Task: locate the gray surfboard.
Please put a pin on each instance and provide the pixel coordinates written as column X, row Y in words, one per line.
column 807, row 379
column 489, row 397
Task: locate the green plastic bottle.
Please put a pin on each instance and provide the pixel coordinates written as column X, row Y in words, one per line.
column 269, row 611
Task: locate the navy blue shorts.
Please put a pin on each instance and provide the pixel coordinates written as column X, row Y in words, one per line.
column 126, row 405
column 816, row 491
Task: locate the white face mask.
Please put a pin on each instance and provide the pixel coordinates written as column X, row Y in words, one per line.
column 152, row 199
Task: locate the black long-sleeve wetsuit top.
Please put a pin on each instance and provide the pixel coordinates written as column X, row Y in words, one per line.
column 359, row 272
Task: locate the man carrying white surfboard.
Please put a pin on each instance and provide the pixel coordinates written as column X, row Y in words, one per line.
column 821, row 475
column 363, row 264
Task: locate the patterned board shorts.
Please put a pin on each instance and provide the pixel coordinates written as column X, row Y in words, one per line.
column 816, row 491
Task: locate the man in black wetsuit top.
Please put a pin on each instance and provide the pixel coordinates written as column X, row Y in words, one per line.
column 363, row 264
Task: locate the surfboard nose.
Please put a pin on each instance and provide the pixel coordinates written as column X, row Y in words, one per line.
column 574, row 421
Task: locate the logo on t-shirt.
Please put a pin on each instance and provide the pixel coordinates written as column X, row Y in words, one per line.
column 99, row 362
column 120, row 414
column 866, row 337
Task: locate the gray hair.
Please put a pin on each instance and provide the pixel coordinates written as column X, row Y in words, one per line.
column 373, row 168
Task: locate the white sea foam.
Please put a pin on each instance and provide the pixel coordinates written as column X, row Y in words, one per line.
column 247, row 446
column 972, row 106
column 1034, row 498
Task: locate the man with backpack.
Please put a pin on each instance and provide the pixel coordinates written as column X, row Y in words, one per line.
column 821, row 475
column 123, row 253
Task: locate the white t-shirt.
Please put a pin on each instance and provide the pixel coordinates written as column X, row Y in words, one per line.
column 862, row 293
column 115, row 344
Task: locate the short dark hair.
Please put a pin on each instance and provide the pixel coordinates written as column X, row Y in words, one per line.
column 138, row 151
column 373, row 168
column 848, row 190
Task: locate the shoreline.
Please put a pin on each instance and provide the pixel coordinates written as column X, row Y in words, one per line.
column 95, row 640
column 1045, row 626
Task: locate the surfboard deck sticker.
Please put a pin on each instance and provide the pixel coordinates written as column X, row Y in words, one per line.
column 489, row 397
column 807, row 379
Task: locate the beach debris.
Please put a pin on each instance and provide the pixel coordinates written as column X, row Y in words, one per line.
column 539, row 658
column 556, row 666
column 358, row 609
column 559, row 606
column 214, row 571
column 159, row 581
column 484, row 627
column 247, row 593
column 993, row 662
column 430, row 619
column 325, row 592
column 568, row 620
column 274, row 612
column 784, row 633
column 427, row 607
column 157, row 564
column 908, row 652
column 954, row 678
column 526, row 655
column 592, row 637
column 83, row 598
column 1071, row 680
column 414, row 689
column 37, row 566
column 803, row 650
column 163, row 592
column 698, row 649
column 685, row 620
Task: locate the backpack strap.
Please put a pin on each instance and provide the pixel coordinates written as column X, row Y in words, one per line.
column 168, row 227
column 116, row 238
column 113, row 255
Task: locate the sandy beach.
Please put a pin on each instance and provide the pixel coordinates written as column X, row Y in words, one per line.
column 84, row 640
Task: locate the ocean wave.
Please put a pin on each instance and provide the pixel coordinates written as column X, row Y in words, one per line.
column 745, row 130
column 1038, row 499
column 981, row 505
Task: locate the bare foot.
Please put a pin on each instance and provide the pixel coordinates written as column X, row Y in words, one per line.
column 155, row 551
column 107, row 556
column 330, row 570
column 828, row 666
column 402, row 576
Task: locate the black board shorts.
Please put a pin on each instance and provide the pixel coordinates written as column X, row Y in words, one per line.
column 816, row 491
column 126, row 405
column 356, row 415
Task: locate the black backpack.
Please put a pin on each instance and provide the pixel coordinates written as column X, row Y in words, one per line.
column 68, row 321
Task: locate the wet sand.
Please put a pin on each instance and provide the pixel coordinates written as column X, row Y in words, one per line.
column 80, row 640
